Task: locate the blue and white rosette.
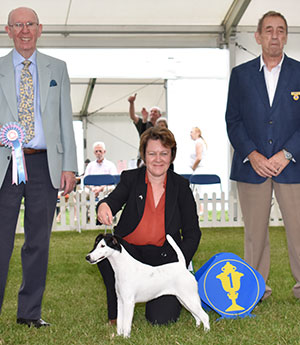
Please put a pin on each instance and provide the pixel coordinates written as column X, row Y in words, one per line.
column 12, row 135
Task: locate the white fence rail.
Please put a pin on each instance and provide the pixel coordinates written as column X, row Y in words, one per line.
column 78, row 212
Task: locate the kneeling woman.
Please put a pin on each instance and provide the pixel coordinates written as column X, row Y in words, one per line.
column 156, row 202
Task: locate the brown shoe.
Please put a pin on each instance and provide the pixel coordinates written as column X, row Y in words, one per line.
column 267, row 293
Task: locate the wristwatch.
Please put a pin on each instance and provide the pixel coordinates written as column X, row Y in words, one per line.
column 287, row 155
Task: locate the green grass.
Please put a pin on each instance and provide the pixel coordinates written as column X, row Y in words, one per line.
column 75, row 301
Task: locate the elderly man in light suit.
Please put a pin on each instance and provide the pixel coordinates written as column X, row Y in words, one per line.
column 50, row 158
column 263, row 123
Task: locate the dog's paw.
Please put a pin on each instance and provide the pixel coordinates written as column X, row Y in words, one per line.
column 205, row 322
column 206, row 327
column 124, row 334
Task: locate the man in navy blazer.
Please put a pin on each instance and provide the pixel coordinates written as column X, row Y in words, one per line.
column 263, row 124
column 50, row 158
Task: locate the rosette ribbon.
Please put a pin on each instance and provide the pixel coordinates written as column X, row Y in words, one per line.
column 12, row 135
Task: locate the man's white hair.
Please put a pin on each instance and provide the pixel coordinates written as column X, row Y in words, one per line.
column 99, row 143
column 162, row 119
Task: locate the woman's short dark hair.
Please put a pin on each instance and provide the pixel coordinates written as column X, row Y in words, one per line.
column 164, row 135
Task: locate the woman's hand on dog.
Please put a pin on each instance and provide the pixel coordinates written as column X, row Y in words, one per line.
column 104, row 214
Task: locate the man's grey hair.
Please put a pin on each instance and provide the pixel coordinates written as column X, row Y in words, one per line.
column 99, row 143
column 162, row 119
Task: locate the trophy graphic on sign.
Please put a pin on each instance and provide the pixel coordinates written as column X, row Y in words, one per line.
column 231, row 283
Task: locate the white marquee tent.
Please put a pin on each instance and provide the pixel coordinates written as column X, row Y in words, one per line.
column 114, row 48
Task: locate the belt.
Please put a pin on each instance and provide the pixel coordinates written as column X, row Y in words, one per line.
column 29, row 151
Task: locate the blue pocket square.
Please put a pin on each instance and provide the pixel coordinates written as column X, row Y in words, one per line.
column 53, row 83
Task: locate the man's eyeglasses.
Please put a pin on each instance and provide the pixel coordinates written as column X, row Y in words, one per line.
column 20, row 26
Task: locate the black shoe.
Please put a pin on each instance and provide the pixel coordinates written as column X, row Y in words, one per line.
column 35, row 323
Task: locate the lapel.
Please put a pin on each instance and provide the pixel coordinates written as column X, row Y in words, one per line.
column 171, row 198
column 141, row 190
column 260, row 83
column 44, row 75
column 8, row 84
column 282, row 84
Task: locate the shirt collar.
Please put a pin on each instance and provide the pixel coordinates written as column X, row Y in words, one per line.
column 147, row 179
column 101, row 161
column 262, row 63
column 18, row 58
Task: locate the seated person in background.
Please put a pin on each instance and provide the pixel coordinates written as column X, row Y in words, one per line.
column 100, row 166
column 156, row 202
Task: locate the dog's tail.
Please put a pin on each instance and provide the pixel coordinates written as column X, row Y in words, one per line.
column 178, row 251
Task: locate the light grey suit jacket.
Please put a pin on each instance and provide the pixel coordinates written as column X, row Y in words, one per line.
column 56, row 113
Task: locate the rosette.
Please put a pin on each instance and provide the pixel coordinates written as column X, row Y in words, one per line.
column 12, row 135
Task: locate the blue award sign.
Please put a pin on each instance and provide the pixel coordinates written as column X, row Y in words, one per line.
column 229, row 286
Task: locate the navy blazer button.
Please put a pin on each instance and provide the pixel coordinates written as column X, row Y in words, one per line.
column 270, row 122
column 270, row 141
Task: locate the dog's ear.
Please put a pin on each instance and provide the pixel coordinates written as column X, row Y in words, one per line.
column 114, row 240
column 116, row 243
column 97, row 240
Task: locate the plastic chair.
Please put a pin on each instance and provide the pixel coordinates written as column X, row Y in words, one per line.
column 187, row 176
column 202, row 179
column 117, row 178
column 99, row 180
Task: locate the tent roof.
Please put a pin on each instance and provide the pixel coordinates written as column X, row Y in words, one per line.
column 144, row 23
column 120, row 12
column 110, row 95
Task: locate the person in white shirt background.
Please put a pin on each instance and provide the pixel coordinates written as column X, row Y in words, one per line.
column 100, row 166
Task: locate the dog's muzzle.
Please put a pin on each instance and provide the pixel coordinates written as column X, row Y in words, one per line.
column 89, row 259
